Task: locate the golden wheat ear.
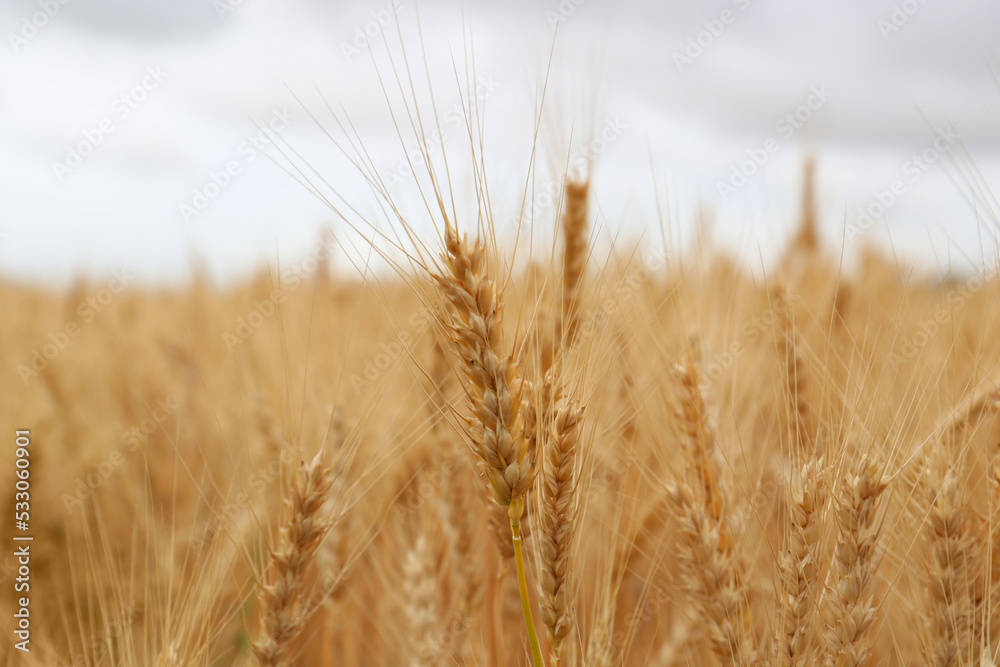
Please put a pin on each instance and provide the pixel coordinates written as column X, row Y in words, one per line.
column 956, row 583
column 575, row 251
column 714, row 572
column 421, row 610
column 282, row 593
column 850, row 611
column 508, row 460
column 473, row 321
column 558, row 523
column 802, row 422
column 799, row 568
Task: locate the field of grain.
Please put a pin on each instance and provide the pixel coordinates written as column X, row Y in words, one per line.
column 486, row 457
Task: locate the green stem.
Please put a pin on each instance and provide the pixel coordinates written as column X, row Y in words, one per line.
column 522, row 586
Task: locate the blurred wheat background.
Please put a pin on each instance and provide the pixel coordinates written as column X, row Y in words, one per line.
column 492, row 414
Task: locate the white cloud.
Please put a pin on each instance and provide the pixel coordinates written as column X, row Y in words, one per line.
column 121, row 205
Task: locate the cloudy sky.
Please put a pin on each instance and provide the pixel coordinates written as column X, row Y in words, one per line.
column 131, row 131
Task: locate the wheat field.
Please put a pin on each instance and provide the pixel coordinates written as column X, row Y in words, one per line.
column 492, row 456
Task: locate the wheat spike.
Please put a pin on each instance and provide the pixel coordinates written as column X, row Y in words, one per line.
column 802, row 429
column 420, row 585
column 850, row 613
column 954, row 578
column 714, row 573
column 493, row 383
column 799, row 567
column 281, row 595
column 574, row 226
column 493, row 387
column 559, row 501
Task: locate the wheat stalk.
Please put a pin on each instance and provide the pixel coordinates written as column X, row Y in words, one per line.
column 281, row 593
column 493, row 389
column 850, row 611
column 714, row 573
column 955, row 593
column 574, row 226
column 600, row 645
column 803, row 426
column 493, row 384
column 420, row 609
column 558, row 520
column 459, row 526
column 799, row 567
column 713, row 577
column 992, row 548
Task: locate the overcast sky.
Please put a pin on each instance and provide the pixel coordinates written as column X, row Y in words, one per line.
column 119, row 118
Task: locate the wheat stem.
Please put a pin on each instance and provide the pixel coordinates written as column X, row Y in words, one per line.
column 522, row 587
